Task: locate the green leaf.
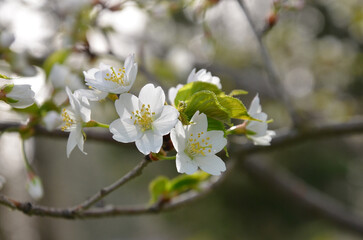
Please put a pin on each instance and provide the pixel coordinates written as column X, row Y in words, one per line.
column 235, row 107
column 215, row 125
column 183, row 183
column 237, row 92
column 207, row 102
column 5, row 77
column 188, row 90
column 157, row 188
column 56, row 57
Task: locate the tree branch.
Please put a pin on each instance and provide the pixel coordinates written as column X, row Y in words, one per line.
column 112, row 211
column 270, row 69
column 136, row 171
column 308, row 197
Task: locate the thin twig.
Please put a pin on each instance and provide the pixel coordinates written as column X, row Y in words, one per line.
column 310, row 198
column 136, row 171
column 270, row 69
column 112, row 211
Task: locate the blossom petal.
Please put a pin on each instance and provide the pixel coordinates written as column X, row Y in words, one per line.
column 75, row 138
column 124, row 132
column 173, row 91
column 255, row 106
column 211, row 164
column 177, row 136
column 166, row 121
column 153, row 96
column 126, row 104
column 200, row 123
column 149, row 142
column 216, row 139
column 185, row 164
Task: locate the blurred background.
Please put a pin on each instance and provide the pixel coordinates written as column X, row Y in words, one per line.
column 316, row 46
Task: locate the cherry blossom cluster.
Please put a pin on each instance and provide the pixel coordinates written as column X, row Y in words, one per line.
column 192, row 124
column 145, row 119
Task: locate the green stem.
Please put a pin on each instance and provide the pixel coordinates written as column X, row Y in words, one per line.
column 162, row 157
column 27, row 164
column 93, row 123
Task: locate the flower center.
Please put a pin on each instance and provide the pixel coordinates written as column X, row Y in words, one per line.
column 117, row 76
column 143, row 118
column 68, row 121
column 198, row 145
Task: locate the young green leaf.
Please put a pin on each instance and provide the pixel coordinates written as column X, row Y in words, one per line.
column 235, row 107
column 207, row 102
column 157, row 188
column 188, row 90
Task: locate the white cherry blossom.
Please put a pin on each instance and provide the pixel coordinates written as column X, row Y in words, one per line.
column 112, row 80
column 196, row 147
column 73, row 118
column 16, row 95
column 203, row 76
column 258, row 131
column 144, row 119
column 34, row 186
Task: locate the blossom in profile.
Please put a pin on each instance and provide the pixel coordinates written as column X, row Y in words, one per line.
column 196, row 147
column 144, row 119
column 16, row 95
column 73, row 119
column 258, row 131
column 111, row 79
column 203, row 76
column 34, row 186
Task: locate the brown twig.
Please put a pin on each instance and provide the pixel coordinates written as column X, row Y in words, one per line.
column 270, row 69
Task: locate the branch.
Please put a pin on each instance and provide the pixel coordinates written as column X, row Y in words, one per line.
column 307, row 196
column 294, row 137
column 270, row 69
column 108, row 211
column 136, row 171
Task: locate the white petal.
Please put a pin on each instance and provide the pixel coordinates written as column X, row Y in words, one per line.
column 216, row 139
column 126, row 104
column 173, row 91
column 124, row 132
column 191, row 76
column 132, row 75
column 153, row 96
column 23, row 94
column 255, row 106
column 200, row 123
column 211, row 164
column 166, row 121
column 92, row 95
column 149, row 142
column 185, row 164
column 75, row 138
column 177, row 136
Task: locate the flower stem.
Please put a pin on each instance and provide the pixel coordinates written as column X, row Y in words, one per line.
column 27, row 164
column 162, row 157
column 93, row 123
